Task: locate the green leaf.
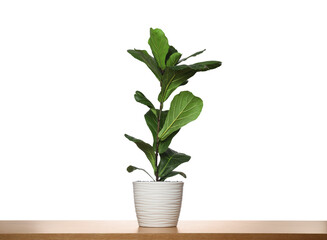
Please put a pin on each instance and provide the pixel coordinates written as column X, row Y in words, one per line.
column 193, row 55
column 139, row 97
column 184, row 108
column 163, row 145
column 143, row 56
column 146, row 148
column 171, row 50
column 159, row 46
column 184, row 83
column 173, row 59
column 199, row 67
column 170, row 160
column 162, row 118
column 172, row 79
column 172, row 174
column 131, row 168
column 152, row 122
column 178, row 75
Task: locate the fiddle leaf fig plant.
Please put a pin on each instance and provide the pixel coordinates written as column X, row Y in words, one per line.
column 184, row 107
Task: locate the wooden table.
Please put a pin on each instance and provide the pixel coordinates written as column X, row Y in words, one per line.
column 188, row 230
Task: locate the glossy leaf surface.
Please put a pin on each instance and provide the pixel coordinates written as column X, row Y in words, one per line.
column 146, row 148
column 173, row 59
column 171, row 50
column 139, row 97
column 159, row 46
column 199, row 67
column 184, row 108
column 170, row 160
column 176, row 76
column 152, row 122
column 144, row 57
column 172, row 79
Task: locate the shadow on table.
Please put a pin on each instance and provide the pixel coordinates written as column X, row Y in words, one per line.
column 157, row 230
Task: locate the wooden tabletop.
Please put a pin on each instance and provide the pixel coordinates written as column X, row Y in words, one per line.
column 188, row 230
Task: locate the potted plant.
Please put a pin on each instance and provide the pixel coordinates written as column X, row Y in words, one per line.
column 158, row 202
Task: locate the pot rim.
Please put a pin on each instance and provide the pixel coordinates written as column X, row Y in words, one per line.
column 158, row 182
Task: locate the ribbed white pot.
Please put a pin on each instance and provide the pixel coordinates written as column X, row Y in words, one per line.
column 158, row 204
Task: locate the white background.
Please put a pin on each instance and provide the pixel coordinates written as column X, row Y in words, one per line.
column 66, row 99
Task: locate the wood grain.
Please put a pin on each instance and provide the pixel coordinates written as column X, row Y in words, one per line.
column 187, row 230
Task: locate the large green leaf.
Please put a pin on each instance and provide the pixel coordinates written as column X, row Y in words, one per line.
column 184, row 108
column 159, row 46
column 139, row 97
column 193, row 55
column 170, row 160
column 131, row 168
column 176, row 76
column 172, row 174
column 173, row 59
column 146, row 148
column 143, row 56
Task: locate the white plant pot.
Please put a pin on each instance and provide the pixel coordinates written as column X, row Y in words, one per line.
column 158, row 204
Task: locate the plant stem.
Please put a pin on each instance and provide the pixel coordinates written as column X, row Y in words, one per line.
column 157, row 140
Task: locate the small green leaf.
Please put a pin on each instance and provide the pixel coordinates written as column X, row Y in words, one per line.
column 146, row 148
column 173, row 59
column 171, row 50
column 143, row 56
column 131, row 168
column 159, row 46
column 199, row 67
column 193, row 55
column 139, row 97
column 170, row 160
column 184, row 108
column 172, row 174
